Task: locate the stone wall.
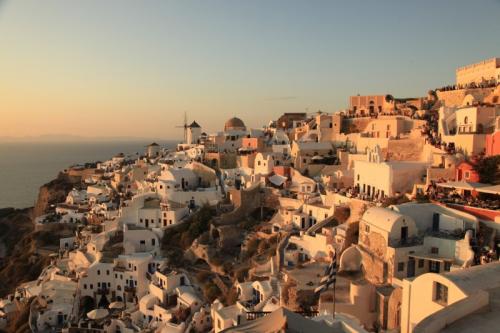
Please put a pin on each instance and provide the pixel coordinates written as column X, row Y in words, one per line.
column 394, row 309
column 404, row 149
column 245, row 202
column 456, row 97
column 373, row 266
column 221, row 160
column 359, row 124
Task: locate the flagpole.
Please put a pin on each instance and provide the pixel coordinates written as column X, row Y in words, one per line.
column 334, row 285
column 333, row 313
column 328, row 279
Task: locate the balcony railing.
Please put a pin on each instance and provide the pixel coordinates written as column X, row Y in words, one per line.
column 102, row 291
column 130, row 289
column 251, row 315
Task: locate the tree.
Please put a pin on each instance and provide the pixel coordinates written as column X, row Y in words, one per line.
column 488, row 169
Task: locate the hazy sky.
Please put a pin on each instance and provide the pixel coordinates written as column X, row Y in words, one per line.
column 131, row 68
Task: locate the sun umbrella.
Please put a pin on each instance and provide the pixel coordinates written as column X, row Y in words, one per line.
column 116, row 305
column 97, row 314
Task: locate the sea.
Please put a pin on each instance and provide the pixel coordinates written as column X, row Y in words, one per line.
column 25, row 166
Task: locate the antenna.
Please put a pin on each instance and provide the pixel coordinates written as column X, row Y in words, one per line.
column 185, row 126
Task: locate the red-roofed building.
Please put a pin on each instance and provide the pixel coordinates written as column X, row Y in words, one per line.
column 465, row 172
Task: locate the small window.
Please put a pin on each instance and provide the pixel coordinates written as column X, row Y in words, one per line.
column 98, row 272
column 434, row 250
column 434, row 266
column 85, row 286
column 420, row 263
column 447, row 266
column 367, row 228
column 441, row 294
column 401, row 266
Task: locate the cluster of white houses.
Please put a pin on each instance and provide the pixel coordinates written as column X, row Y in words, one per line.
column 380, row 187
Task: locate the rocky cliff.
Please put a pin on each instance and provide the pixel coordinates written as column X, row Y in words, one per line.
column 20, row 258
column 54, row 192
column 19, row 263
column 26, row 250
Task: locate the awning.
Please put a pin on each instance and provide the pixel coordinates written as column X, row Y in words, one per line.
column 277, row 179
column 246, row 149
column 461, row 185
column 116, row 305
column 430, row 256
column 494, row 189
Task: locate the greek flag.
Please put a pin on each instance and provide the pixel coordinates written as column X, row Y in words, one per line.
column 329, row 278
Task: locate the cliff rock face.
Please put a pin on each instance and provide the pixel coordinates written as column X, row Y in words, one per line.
column 16, row 231
column 54, row 192
column 20, row 258
column 26, row 250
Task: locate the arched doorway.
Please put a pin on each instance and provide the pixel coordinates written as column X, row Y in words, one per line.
column 103, row 302
column 87, row 304
column 480, row 129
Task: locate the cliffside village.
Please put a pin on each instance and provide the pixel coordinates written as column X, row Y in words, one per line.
column 396, row 198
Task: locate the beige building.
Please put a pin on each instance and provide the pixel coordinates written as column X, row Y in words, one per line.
column 366, row 105
column 305, row 153
column 411, row 239
column 467, row 127
column 321, row 128
column 465, row 300
column 480, row 119
column 391, row 126
column 480, row 72
column 378, row 178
